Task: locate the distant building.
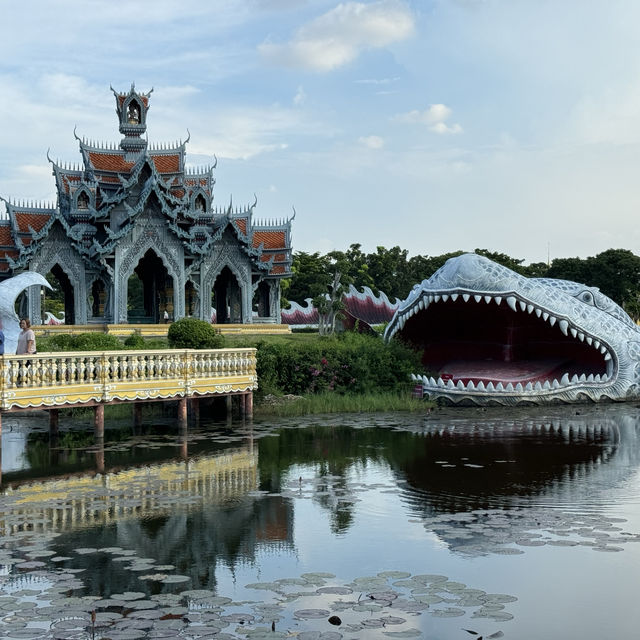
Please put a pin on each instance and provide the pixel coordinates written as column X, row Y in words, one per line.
column 134, row 233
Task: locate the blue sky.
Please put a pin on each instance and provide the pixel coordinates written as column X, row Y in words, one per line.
column 508, row 125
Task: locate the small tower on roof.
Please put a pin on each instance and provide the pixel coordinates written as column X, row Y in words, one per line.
column 132, row 110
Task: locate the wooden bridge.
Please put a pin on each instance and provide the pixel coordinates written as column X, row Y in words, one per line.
column 92, row 379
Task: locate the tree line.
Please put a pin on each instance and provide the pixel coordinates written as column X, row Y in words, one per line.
column 616, row 272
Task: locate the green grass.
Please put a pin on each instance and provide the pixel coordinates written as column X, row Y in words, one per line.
column 336, row 403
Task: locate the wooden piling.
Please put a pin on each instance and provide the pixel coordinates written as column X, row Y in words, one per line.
column 98, row 422
column 53, row 423
column 182, row 413
column 248, row 404
column 137, row 415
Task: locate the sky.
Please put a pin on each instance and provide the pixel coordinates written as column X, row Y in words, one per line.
column 433, row 125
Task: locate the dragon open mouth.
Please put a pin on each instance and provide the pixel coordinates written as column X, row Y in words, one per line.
column 486, row 342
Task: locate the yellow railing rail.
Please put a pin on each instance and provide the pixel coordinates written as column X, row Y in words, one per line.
column 155, row 330
column 72, row 378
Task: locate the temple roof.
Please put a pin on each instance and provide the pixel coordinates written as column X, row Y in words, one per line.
column 100, row 198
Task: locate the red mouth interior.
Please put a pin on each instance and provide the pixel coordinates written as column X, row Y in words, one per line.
column 471, row 341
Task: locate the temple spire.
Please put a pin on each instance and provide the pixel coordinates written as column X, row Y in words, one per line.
column 132, row 110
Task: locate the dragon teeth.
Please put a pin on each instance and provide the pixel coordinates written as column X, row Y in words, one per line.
column 511, row 301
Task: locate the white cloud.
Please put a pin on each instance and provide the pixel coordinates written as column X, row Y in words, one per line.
column 300, row 97
column 243, row 133
column 339, row 36
column 371, row 142
column 434, row 117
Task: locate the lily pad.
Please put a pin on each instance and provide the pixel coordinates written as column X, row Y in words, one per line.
column 306, row 614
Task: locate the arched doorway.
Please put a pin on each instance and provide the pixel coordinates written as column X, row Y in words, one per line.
column 262, row 300
column 190, row 299
column 226, row 298
column 149, row 291
column 98, row 298
column 60, row 299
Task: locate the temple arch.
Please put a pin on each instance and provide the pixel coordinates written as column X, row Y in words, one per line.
column 226, row 297
column 150, row 290
column 60, row 258
column 97, row 299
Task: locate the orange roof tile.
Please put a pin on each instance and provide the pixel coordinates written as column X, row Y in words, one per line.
column 167, row 164
column 178, row 193
column 279, row 268
column 271, row 239
column 5, row 236
column 108, row 179
column 34, row 220
column 110, row 162
column 241, row 224
column 277, row 257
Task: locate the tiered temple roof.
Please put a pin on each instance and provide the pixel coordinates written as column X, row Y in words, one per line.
column 129, row 177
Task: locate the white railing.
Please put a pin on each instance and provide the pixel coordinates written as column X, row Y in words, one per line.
column 56, row 379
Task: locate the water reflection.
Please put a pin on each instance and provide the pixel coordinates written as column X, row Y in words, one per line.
column 344, row 494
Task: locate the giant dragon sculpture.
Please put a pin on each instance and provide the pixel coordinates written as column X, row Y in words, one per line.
column 489, row 335
column 360, row 308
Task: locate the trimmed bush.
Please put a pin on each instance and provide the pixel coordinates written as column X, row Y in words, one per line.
column 193, row 333
column 96, row 342
column 134, row 341
column 79, row 342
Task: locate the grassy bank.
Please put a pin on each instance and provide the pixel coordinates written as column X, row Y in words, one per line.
column 334, row 403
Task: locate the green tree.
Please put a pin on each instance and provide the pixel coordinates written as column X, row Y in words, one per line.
column 616, row 272
column 311, row 276
column 389, row 271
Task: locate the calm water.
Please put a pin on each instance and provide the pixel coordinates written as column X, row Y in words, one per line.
column 458, row 524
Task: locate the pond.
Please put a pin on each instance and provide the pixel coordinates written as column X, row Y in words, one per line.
column 460, row 523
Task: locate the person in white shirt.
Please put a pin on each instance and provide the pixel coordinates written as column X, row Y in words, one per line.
column 26, row 338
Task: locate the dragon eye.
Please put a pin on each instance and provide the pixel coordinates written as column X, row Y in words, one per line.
column 587, row 297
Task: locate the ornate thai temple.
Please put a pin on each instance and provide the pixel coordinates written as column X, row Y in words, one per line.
column 135, row 233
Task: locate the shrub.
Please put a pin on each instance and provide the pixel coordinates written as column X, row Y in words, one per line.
column 193, row 333
column 348, row 363
column 59, row 342
column 79, row 342
column 134, row 341
column 95, row 342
